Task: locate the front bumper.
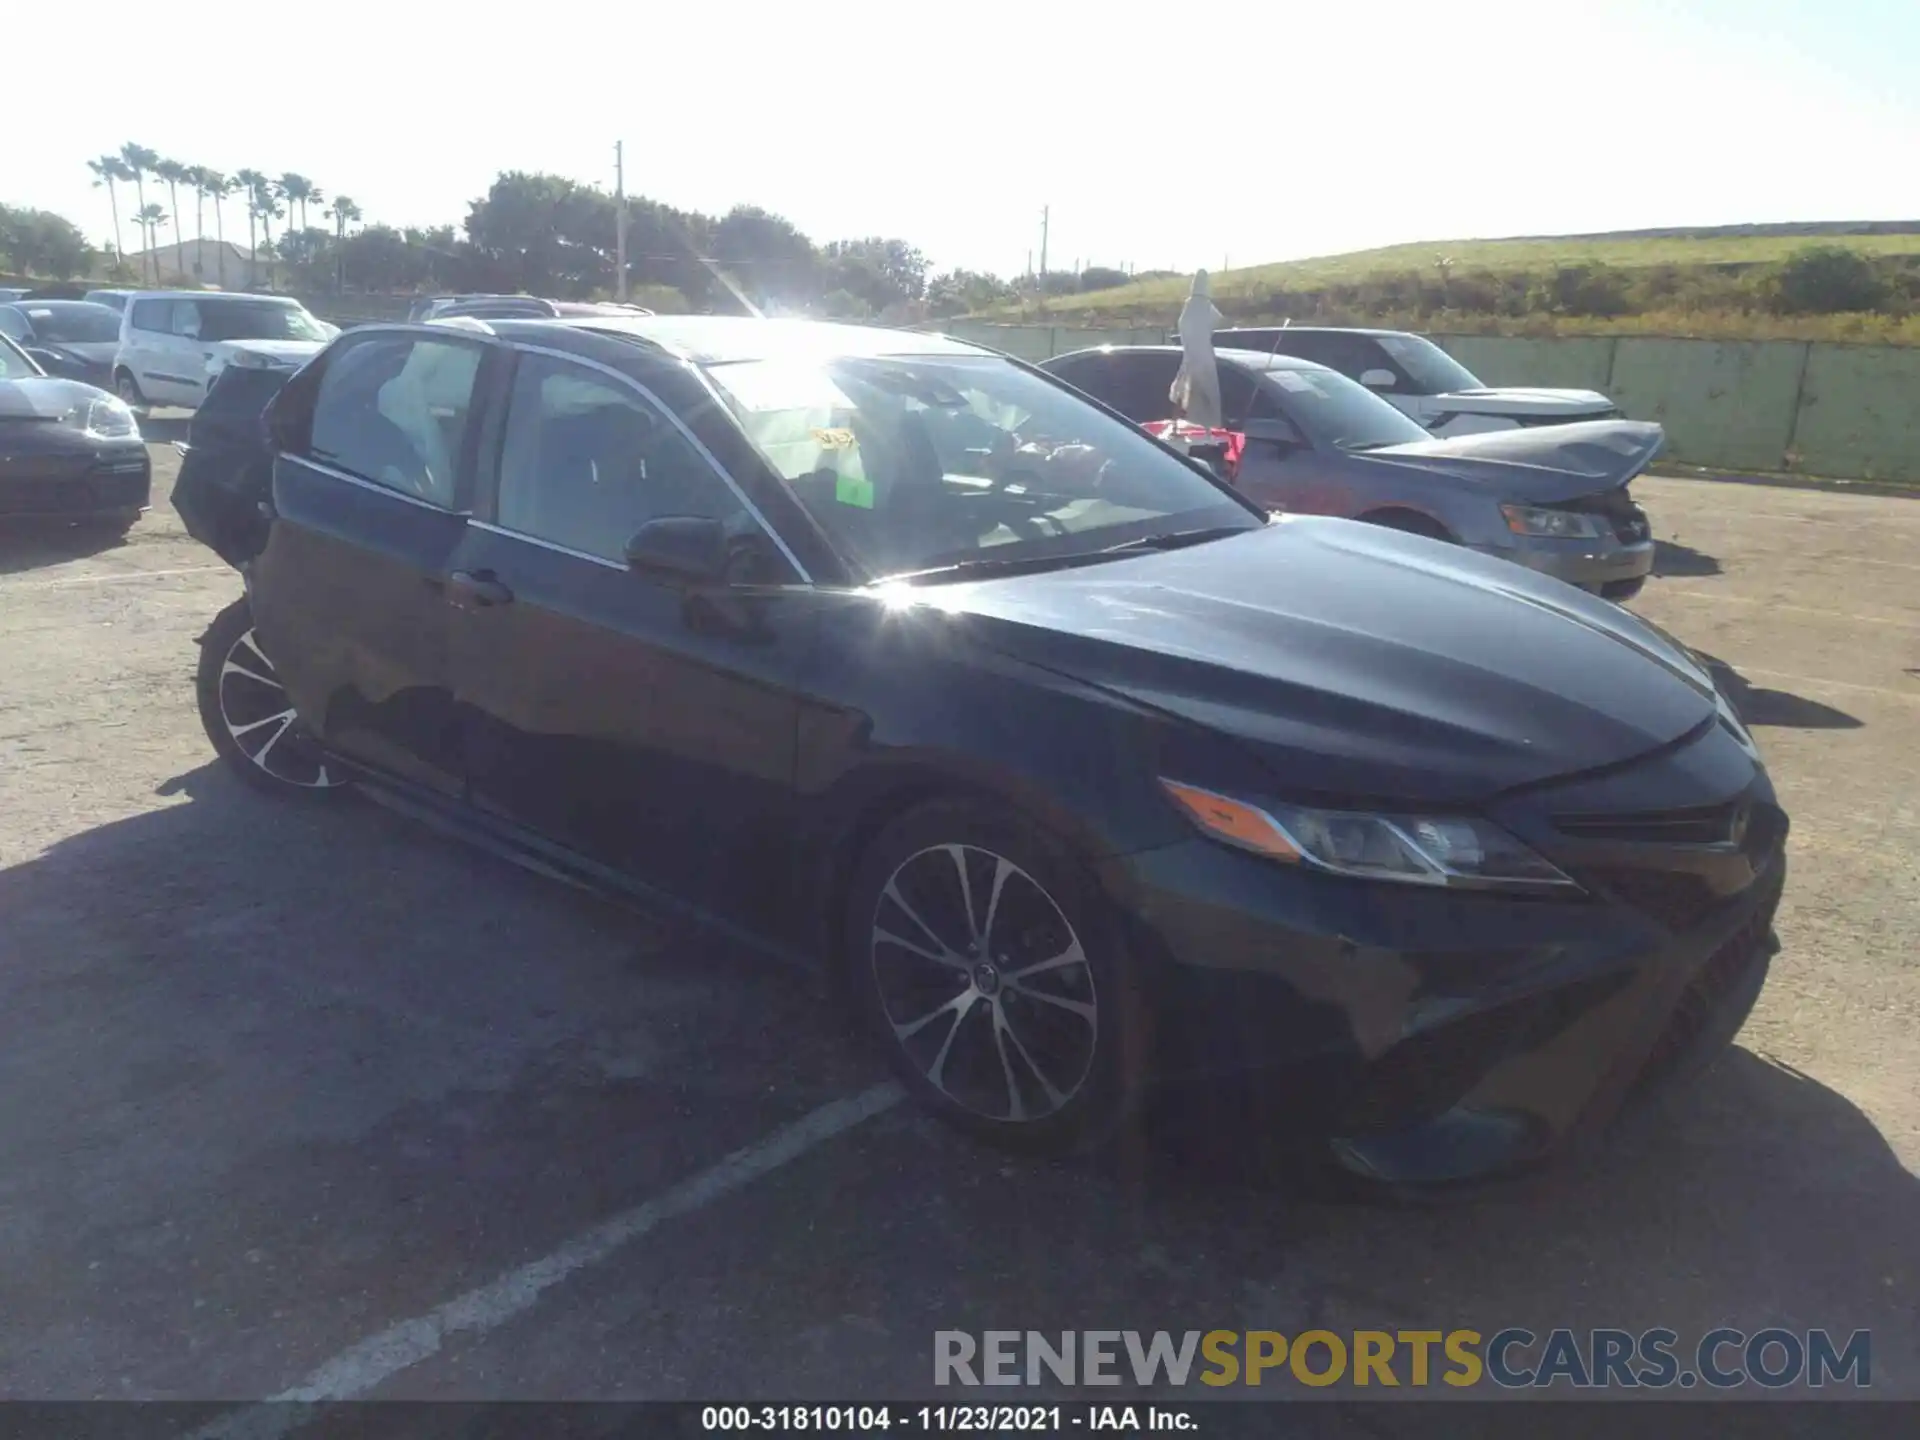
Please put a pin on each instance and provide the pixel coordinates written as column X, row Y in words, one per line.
column 1437, row 1036
column 108, row 482
column 1590, row 564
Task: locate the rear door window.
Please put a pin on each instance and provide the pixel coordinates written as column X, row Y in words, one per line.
column 155, row 316
column 1140, row 385
column 395, row 410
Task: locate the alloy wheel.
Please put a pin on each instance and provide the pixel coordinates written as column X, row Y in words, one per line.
column 259, row 716
column 984, row 983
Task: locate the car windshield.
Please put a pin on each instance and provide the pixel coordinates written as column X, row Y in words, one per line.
column 14, row 364
column 1429, row 367
column 1334, row 410
column 915, row 463
column 264, row 320
column 74, row 324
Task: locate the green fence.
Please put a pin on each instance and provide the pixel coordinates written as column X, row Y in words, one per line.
column 1841, row 410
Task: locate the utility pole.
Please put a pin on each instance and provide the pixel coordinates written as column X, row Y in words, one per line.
column 1045, row 211
column 619, row 220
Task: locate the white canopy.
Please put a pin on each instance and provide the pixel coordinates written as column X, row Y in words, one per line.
column 1196, row 389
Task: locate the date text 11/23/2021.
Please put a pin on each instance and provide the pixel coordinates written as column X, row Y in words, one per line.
column 937, row 1419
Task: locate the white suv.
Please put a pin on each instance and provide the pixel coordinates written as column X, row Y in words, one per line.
column 174, row 343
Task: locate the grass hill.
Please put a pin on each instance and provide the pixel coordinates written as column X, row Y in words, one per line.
column 1723, row 280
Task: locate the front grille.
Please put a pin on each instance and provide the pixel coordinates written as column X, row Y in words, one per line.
column 1724, row 972
column 1675, row 898
column 1699, row 825
column 1427, row 1073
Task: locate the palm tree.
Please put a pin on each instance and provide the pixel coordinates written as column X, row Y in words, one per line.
column 299, row 190
column 267, row 199
column 139, row 159
column 342, row 211
column 107, row 169
column 249, row 184
column 173, row 172
column 152, row 219
column 195, row 177
column 219, row 187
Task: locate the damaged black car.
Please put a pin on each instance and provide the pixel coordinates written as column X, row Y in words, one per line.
column 1081, row 771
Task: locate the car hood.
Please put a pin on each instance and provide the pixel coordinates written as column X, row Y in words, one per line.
column 297, row 351
column 94, row 352
column 1517, row 400
column 44, row 397
column 1358, row 661
column 1544, row 463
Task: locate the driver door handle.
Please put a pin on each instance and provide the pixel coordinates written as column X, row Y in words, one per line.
column 476, row 590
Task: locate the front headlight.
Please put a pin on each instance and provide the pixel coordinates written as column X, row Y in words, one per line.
column 104, row 419
column 1552, row 524
column 1453, row 850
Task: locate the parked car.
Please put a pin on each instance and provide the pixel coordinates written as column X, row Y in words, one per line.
column 112, row 299
column 68, row 450
column 174, row 343
column 1554, row 499
column 68, row 338
column 892, row 653
column 505, row 307
column 12, row 292
column 1423, row 381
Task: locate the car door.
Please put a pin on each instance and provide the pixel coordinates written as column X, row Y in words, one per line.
column 145, row 336
column 188, row 352
column 644, row 725
column 372, row 483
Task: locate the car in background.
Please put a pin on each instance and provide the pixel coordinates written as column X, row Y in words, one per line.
column 1316, row 443
column 1423, row 381
column 13, row 292
column 175, row 343
column 68, row 450
column 1080, row 770
column 113, row 299
column 508, row 307
column 72, row 339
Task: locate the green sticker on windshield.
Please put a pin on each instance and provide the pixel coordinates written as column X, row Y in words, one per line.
column 853, row 490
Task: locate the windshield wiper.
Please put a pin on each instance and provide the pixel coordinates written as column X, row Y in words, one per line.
column 1034, row 564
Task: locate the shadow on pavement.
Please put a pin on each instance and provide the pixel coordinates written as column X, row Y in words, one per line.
column 1759, row 706
column 31, row 544
column 165, row 429
column 1670, row 557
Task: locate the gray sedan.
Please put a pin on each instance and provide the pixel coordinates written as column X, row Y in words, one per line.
column 1553, row 498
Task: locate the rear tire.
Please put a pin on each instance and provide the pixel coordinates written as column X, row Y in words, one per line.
column 249, row 717
column 988, row 966
column 128, row 389
column 117, row 522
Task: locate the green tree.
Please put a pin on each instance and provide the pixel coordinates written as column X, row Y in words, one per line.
column 152, row 220
column 1825, row 280
column 343, row 210
column 881, row 272
column 139, row 160
column 767, row 252
column 299, row 191
column 219, row 187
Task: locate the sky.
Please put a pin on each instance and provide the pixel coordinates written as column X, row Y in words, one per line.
column 1208, row 133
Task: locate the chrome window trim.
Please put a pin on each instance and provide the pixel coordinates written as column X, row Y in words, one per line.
column 674, row 420
column 336, row 473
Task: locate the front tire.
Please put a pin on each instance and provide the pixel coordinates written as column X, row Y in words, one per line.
column 249, row 717
column 1618, row 590
column 990, row 969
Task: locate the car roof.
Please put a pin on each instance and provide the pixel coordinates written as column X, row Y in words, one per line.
column 1321, row 330
column 724, row 339
column 1252, row 359
column 24, row 303
column 208, row 295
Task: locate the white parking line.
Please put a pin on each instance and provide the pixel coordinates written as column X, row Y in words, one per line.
column 1726, row 598
column 112, row 579
column 357, row 1370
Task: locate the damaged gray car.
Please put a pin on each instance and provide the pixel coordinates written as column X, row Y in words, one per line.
column 1312, row 442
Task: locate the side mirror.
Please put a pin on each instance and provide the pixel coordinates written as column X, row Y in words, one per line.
column 1377, row 379
column 680, row 549
column 1274, row 431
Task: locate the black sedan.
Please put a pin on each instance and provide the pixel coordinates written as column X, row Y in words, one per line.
column 1082, row 772
column 68, row 451
column 69, row 339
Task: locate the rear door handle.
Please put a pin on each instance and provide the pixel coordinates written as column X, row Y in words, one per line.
column 476, row 590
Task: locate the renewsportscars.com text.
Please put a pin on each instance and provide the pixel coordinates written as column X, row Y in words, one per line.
column 1513, row 1358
